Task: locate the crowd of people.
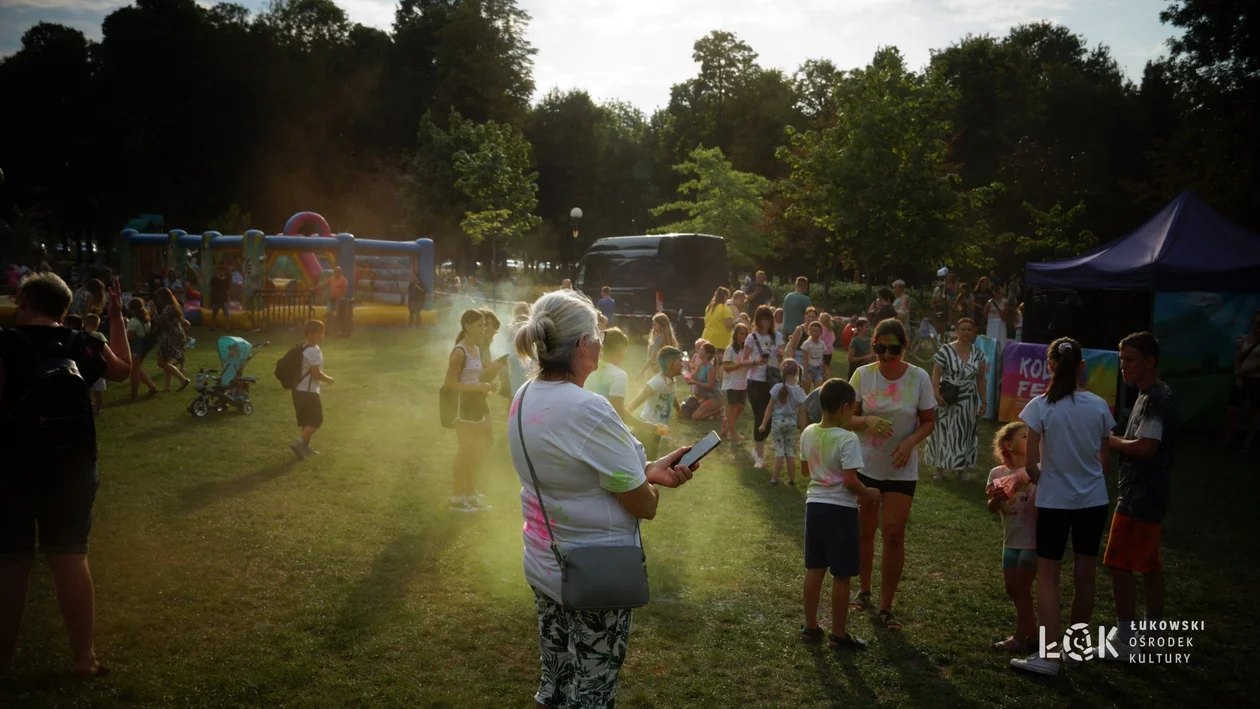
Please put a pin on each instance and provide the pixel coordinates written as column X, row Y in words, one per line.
column 578, row 446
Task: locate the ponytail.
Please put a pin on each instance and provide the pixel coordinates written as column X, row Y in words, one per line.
column 468, row 318
column 1066, row 355
column 790, row 368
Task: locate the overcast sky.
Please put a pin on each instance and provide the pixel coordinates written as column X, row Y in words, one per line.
column 634, row 50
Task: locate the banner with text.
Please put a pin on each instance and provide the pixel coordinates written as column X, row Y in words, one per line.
column 1025, row 375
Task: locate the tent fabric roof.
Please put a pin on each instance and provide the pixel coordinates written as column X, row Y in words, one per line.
column 1185, row 247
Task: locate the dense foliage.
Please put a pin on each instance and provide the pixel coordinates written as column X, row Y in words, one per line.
column 1001, row 150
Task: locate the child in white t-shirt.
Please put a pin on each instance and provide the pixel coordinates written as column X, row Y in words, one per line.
column 1016, row 499
column 782, row 419
column 814, row 349
column 659, row 400
column 831, row 512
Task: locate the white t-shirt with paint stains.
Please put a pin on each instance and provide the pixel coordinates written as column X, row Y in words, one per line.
column 583, row 455
column 830, row 452
column 898, row 402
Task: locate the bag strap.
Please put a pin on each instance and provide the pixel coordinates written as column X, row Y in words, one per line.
column 520, row 431
column 302, row 363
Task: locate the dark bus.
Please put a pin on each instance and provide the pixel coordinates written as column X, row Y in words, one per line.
column 671, row 273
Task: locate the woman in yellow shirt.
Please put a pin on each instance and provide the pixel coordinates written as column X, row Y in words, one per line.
column 719, row 320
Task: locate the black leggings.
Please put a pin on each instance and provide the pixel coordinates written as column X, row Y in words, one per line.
column 759, row 397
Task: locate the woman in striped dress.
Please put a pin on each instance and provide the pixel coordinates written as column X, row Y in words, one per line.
column 952, row 445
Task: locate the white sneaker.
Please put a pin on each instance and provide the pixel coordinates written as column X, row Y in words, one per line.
column 1036, row 664
column 759, row 463
column 1123, row 643
column 464, row 504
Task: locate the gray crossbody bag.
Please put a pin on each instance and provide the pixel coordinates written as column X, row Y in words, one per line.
column 593, row 578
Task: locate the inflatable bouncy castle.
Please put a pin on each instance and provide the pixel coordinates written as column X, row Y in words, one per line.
column 289, row 266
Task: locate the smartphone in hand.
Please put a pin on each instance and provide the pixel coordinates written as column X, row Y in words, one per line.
column 702, row 448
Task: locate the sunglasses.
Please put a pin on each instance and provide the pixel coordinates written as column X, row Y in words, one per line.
column 890, row 349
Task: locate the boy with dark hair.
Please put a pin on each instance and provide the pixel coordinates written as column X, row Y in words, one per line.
column 1146, row 450
column 306, row 400
column 831, row 512
column 50, row 464
column 606, row 305
column 658, row 400
column 610, row 380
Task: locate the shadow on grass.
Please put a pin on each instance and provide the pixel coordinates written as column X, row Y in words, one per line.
column 378, row 600
column 923, row 678
column 208, row 493
column 183, row 422
column 856, row 689
column 784, row 506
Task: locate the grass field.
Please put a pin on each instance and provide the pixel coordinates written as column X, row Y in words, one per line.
column 229, row 574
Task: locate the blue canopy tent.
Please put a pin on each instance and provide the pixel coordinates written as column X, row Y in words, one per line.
column 1186, row 247
column 1189, row 275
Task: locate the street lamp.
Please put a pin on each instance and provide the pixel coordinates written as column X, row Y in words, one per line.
column 575, row 214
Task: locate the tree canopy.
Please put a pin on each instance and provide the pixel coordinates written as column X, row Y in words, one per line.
column 1002, row 149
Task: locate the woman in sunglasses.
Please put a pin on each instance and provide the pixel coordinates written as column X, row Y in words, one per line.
column 896, row 412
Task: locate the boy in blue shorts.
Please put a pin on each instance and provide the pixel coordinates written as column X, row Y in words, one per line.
column 831, row 512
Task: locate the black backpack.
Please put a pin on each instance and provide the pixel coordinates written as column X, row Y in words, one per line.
column 150, row 337
column 289, row 368
column 55, row 414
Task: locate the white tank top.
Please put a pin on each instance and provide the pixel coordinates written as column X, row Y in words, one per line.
column 472, row 365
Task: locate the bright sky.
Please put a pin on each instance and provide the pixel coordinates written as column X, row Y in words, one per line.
column 634, row 50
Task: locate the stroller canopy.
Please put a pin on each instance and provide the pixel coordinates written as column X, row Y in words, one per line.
column 233, row 354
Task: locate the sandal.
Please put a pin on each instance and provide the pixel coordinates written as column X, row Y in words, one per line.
column 184, row 385
column 848, row 642
column 811, row 635
column 861, row 602
column 889, row 622
column 1010, row 645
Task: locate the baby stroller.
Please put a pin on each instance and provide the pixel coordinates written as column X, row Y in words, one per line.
column 218, row 389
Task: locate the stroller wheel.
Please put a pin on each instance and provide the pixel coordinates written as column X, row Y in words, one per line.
column 247, row 408
column 200, row 407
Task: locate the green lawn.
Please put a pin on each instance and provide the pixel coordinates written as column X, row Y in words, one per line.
column 228, row 574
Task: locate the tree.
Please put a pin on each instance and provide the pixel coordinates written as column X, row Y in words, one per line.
column 1214, row 72
column 482, row 63
column 877, row 178
column 494, row 178
column 1050, row 119
column 815, row 84
column 723, row 202
column 733, row 104
column 592, row 156
column 307, row 24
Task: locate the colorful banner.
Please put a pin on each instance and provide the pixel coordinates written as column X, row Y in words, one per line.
column 1198, row 334
column 1025, row 376
column 992, row 349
